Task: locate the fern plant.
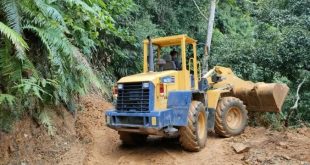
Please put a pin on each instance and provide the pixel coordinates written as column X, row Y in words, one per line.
column 53, row 66
column 15, row 38
column 7, row 99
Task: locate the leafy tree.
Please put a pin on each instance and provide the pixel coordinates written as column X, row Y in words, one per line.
column 52, row 51
column 266, row 41
column 53, row 66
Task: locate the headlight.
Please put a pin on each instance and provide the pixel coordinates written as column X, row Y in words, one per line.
column 120, row 86
column 146, row 85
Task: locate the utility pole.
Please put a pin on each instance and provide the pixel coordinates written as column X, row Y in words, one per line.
column 210, row 25
column 209, row 36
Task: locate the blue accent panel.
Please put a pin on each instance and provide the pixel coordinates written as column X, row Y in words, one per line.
column 139, row 120
column 179, row 102
column 211, row 119
column 175, row 115
column 151, row 96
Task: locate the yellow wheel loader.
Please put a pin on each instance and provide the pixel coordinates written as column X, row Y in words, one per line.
column 172, row 99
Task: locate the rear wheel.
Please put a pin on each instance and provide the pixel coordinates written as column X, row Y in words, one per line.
column 231, row 117
column 193, row 137
column 132, row 139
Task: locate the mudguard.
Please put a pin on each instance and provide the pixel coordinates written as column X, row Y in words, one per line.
column 179, row 102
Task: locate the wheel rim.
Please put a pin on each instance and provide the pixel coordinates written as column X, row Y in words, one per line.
column 234, row 118
column 201, row 125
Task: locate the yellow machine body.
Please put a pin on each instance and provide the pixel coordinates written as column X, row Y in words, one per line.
column 158, row 101
column 181, row 77
column 260, row 96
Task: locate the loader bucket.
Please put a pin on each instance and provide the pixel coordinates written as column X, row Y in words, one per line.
column 262, row 97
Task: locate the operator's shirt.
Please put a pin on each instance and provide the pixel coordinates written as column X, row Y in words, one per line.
column 177, row 63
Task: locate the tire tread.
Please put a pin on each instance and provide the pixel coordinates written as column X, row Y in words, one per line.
column 222, row 108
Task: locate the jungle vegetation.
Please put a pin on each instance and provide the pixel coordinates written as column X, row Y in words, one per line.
column 53, row 51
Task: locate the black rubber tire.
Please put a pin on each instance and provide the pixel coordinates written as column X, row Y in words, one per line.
column 189, row 135
column 225, row 105
column 132, row 139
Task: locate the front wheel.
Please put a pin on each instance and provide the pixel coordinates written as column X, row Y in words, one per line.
column 231, row 117
column 193, row 137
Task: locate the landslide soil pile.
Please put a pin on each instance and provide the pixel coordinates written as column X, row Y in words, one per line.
column 85, row 139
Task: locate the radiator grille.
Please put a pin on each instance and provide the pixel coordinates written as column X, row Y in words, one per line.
column 133, row 98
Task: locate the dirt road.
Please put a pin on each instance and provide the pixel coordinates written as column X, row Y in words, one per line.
column 90, row 142
column 267, row 147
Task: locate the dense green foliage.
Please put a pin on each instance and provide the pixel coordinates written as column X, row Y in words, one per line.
column 52, row 51
column 46, row 46
column 267, row 41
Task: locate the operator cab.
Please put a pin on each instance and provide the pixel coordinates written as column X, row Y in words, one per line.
column 166, row 63
column 170, row 54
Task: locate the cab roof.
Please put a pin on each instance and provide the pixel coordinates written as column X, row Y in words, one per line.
column 171, row 40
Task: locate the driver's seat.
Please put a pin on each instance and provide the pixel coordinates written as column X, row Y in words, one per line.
column 170, row 65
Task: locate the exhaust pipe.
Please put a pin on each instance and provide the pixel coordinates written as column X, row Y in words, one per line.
column 151, row 55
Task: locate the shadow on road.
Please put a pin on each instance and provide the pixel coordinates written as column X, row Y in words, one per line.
column 159, row 143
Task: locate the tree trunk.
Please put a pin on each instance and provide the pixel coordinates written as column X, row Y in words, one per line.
column 209, row 36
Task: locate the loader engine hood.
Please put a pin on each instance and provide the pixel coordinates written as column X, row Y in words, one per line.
column 144, row 77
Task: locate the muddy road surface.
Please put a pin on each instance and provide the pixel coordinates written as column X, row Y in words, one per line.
column 85, row 139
